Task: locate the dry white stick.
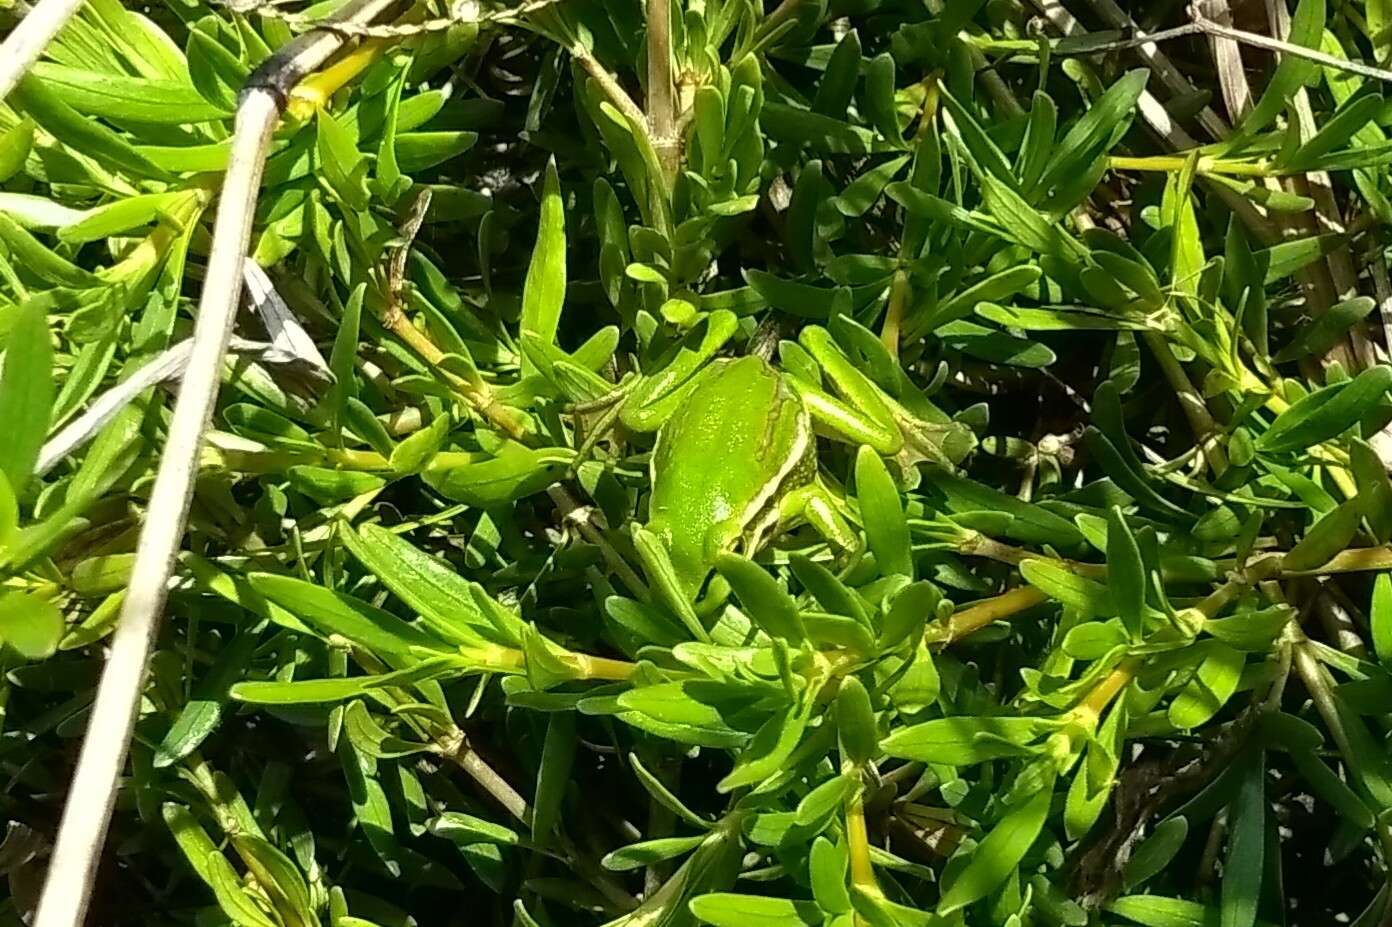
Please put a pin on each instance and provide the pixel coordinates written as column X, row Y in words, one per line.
column 1341, row 281
column 92, row 793
column 1171, row 76
column 169, row 364
column 26, row 43
column 1174, row 135
column 1227, row 54
column 284, row 330
column 93, row 790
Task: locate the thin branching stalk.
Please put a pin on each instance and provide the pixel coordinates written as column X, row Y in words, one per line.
column 1163, row 124
column 92, row 793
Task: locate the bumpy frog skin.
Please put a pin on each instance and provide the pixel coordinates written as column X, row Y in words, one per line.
column 736, row 457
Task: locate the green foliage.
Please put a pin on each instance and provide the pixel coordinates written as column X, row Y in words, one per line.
column 1036, row 572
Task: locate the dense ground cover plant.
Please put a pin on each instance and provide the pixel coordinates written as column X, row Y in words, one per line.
column 858, row 462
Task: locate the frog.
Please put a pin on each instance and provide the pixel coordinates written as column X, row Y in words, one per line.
column 735, row 457
column 734, row 461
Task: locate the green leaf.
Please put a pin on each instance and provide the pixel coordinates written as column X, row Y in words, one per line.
column 996, row 857
column 1374, row 488
column 1064, row 586
column 200, row 717
column 1126, row 573
column 43, row 262
column 515, row 473
column 330, row 487
column 279, row 878
column 1325, row 329
column 26, row 392
column 1326, row 537
column 1306, row 28
column 337, row 689
column 543, row 294
column 800, row 299
column 1328, row 787
column 648, row 852
column 1380, row 616
column 965, row 741
column 1029, row 523
column 831, row 593
column 342, row 168
column 1244, row 863
column 446, row 602
column 855, row 722
column 335, row 613
column 415, row 452
column 863, row 192
column 1156, row 852
column 882, row 513
column 81, row 134
column 1325, row 413
column 1213, row 684
column 878, row 100
column 418, row 151
column 770, row 747
column 345, row 348
column 30, row 624
column 1103, row 121
column 557, row 758
column 729, row 910
column 663, row 795
column 15, row 144
column 765, row 602
column 1158, row 911
column 992, row 289
column 127, row 99
column 234, row 900
column 465, row 829
column 838, row 83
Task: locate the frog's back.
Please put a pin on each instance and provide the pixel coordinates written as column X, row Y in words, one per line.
column 717, row 456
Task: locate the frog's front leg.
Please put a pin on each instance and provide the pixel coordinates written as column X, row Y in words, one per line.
column 839, row 420
column 863, row 413
column 654, row 397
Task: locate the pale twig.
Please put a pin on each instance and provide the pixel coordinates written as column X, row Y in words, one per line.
column 1227, row 54
column 1160, row 122
column 93, row 790
column 1171, row 76
column 462, row 12
column 1202, row 25
column 285, row 331
column 1338, row 280
column 168, row 365
column 24, row 45
column 662, row 101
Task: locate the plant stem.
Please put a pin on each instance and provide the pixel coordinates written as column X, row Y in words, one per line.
column 662, row 106
column 92, row 794
column 572, row 512
column 857, row 836
column 980, row 614
column 609, row 85
column 894, row 314
column 1201, row 421
column 1173, row 164
column 1090, row 709
column 478, row 395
